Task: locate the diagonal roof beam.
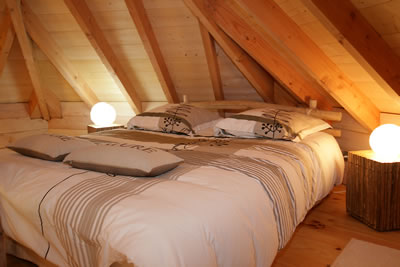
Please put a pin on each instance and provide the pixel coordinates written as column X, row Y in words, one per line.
column 212, row 62
column 363, row 38
column 26, row 47
column 269, row 19
column 258, row 48
column 7, row 36
column 254, row 73
column 143, row 26
column 46, row 43
column 89, row 26
column 53, row 105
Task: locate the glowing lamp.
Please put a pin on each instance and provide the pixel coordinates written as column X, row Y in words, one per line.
column 385, row 142
column 103, row 114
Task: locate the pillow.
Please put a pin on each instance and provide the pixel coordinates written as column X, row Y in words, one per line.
column 123, row 159
column 174, row 118
column 48, row 146
column 270, row 123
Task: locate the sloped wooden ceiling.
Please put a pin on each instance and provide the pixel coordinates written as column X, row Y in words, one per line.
column 119, row 58
column 178, row 36
column 383, row 16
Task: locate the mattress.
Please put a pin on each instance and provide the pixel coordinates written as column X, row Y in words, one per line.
column 233, row 202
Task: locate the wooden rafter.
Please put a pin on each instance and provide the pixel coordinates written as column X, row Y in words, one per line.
column 269, row 19
column 43, row 39
column 26, row 47
column 89, row 26
column 212, row 61
column 7, row 35
column 363, row 38
column 53, row 105
column 254, row 73
column 143, row 26
column 261, row 50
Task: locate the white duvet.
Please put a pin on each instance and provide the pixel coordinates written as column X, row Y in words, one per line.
column 198, row 216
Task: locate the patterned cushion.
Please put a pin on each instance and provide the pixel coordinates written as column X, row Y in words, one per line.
column 175, row 118
column 270, row 123
column 123, row 159
column 48, row 146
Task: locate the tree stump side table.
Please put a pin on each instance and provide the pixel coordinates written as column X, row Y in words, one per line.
column 373, row 191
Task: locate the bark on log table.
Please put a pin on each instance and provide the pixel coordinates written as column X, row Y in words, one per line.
column 373, row 191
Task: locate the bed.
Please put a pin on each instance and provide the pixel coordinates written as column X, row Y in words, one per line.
column 232, row 202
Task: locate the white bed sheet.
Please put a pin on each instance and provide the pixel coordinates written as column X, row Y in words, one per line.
column 207, row 217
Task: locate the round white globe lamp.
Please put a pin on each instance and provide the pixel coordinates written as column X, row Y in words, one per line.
column 385, row 142
column 103, row 114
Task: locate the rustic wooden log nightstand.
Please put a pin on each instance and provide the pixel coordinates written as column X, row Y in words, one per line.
column 373, row 191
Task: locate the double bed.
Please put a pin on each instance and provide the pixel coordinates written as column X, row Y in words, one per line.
column 232, row 202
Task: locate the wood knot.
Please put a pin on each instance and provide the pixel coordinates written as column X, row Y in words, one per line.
column 316, row 224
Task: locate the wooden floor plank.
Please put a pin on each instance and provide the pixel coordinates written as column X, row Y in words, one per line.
column 325, row 232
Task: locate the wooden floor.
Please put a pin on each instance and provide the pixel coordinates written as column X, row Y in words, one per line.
column 320, row 238
column 326, row 231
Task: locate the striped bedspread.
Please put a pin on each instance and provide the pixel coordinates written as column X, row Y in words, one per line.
column 86, row 218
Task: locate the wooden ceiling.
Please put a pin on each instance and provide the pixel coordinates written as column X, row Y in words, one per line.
column 342, row 53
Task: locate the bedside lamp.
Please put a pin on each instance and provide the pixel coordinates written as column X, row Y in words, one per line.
column 103, row 114
column 385, row 142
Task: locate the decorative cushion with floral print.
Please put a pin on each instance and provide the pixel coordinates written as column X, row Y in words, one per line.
column 270, row 123
column 175, row 118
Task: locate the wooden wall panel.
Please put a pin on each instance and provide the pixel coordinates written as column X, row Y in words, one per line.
column 235, row 86
column 116, row 21
column 76, row 116
column 55, row 82
column 15, row 83
column 354, row 136
column 78, row 49
column 15, row 123
column 183, row 52
column 390, row 118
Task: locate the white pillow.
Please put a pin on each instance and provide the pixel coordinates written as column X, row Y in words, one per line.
column 270, row 123
column 174, row 118
column 48, row 146
column 123, row 159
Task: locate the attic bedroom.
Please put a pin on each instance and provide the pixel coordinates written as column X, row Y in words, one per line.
column 200, row 133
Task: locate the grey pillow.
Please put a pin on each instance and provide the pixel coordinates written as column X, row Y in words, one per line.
column 123, row 159
column 48, row 146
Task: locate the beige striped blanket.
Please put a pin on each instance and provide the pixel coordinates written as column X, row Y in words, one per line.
column 81, row 214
